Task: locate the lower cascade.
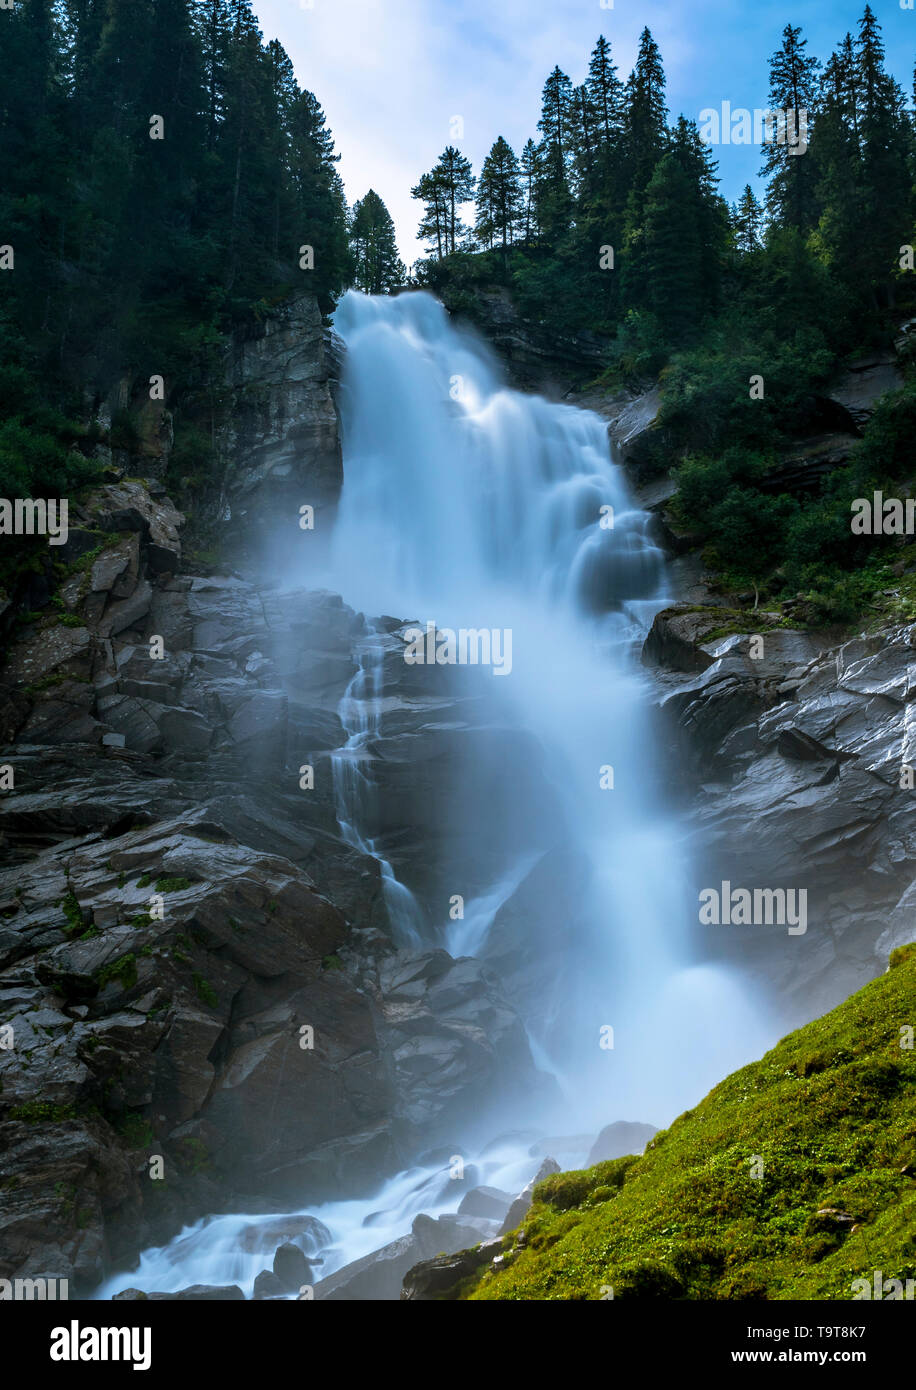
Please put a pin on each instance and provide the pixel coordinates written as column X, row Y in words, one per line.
column 507, row 581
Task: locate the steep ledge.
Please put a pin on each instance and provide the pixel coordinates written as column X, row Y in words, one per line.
column 281, row 443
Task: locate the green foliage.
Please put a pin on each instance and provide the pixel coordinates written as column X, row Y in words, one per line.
column 830, row 1111
column 135, row 1130
column 205, row 991
column 137, row 255
column 172, row 885
column 124, row 971
column 35, row 1112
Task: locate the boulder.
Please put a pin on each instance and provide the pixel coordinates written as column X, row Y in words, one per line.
column 619, row 1139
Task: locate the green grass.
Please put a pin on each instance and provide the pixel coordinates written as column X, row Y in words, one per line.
column 831, row 1111
column 172, row 885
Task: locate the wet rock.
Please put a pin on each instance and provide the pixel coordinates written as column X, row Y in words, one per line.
column 291, row 1268
column 267, row 1285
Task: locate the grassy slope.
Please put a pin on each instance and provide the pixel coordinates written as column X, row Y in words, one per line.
column 832, row 1112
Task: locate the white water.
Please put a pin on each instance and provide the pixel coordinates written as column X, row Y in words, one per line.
column 473, row 506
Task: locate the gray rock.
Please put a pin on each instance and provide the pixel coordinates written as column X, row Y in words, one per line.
column 522, row 1203
column 489, row 1202
column 267, row 1285
column 619, row 1139
column 291, row 1267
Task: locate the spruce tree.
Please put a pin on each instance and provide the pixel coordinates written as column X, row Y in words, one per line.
column 556, row 152
column 747, row 220
column 646, row 114
column 791, row 195
column 378, row 269
column 499, row 197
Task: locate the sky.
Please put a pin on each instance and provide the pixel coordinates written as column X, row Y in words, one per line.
column 393, row 75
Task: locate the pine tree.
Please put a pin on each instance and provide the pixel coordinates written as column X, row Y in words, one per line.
column 646, row 114
column 556, row 154
column 747, row 221
column 442, row 191
column 791, row 198
column 530, row 166
column 499, row 197
column 378, row 269
column 606, row 93
column 434, row 223
column 886, row 145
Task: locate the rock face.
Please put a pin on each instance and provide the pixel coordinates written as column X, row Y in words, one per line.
column 379, row 1276
column 794, row 769
column 281, row 443
column 534, row 357
column 196, row 969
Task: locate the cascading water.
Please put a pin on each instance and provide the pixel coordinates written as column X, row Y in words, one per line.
column 360, row 715
column 470, row 506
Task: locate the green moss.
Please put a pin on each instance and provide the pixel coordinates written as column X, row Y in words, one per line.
column 135, row 1130
column 35, row 1112
column 332, row 963
column 831, row 1111
column 144, row 880
column 205, row 991
column 123, row 970
column 73, row 914
column 172, row 885
column 901, row 955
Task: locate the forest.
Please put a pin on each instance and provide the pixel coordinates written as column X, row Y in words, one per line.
column 169, row 182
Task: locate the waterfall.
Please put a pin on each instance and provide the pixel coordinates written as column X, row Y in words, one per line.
column 469, row 506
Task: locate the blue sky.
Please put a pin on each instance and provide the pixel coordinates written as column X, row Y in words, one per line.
column 391, row 74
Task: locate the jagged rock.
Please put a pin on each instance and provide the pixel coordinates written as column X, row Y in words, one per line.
column 379, row 1276
column 794, row 768
column 862, row 386
column 521, row 1206
column 438, row 1279
column 490, row 1202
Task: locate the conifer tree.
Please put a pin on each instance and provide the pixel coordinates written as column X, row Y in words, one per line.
column 499, row 197
column 793, row 93
column 378, row 268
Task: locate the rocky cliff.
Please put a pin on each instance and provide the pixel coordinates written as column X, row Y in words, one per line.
column 201, row 1003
